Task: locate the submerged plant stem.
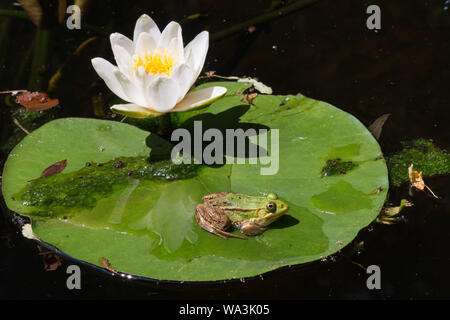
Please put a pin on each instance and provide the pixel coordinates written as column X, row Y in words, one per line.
column 164, row 124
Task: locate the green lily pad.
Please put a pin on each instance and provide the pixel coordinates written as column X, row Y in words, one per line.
column 146, row 227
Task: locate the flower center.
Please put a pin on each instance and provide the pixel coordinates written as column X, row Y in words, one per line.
column 154, row 63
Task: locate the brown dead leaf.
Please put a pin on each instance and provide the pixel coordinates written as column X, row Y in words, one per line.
column 416, row 180
column 376, row 127
column 54, row 168
column 249, row 97
column 36, row 101
column 107, row 265
column 51, row 260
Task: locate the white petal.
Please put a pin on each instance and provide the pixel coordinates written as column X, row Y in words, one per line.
column 145, row 43
column 199, row 98
column 184, row 77
column 106, row 71
column 171, row 31
column 146, row 24
column 195, row 52
column 163, row 94
column 120, row 40
column 134, row 111
column 142, row 80
column 134, row 93
column 123, row 60
column 177, row 49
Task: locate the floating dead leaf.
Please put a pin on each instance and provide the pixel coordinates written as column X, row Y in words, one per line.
column 107, row 265
column 377, row 126
column 36, row 101
column 416, row 180
column 54, row 168
column 51, row 260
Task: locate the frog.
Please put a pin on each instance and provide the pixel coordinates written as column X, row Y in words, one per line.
column 249, row 214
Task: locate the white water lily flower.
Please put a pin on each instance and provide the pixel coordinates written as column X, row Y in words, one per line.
column 155, row 71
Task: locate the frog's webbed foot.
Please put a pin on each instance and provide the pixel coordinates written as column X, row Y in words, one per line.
column 206, row 225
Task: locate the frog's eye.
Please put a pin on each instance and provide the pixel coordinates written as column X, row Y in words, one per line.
column 271, row 206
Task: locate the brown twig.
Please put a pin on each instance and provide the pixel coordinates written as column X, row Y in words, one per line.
column 17, row 123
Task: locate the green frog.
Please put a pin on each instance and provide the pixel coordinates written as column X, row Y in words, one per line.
column 249, row 214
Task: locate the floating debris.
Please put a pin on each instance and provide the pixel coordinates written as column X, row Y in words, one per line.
column 417, row 182
column 107, row 265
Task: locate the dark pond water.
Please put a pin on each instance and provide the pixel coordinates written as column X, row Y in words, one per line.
column 323, row 51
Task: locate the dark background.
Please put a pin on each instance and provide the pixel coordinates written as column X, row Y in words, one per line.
column 323, row 51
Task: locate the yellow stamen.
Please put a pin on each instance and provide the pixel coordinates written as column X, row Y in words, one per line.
column 154, row 63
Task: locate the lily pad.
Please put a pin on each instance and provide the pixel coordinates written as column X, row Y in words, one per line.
column 146, row 227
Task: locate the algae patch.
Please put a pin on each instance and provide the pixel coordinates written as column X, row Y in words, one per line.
column 84, row 187
column 337, row 166
column 425, row 157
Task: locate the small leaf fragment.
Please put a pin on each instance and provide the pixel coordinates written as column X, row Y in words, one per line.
column 261, row 87
column 107, row 265
column 54, row 168
column 377, row 126
column 51, row 260
column 249, row 97
column 416, row 180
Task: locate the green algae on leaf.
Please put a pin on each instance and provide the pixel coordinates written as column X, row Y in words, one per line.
column 84, row 187
column 337, row 166
column 424, row 155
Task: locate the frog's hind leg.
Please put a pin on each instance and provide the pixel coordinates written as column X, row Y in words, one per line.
column 226, row 235
column 205, row 225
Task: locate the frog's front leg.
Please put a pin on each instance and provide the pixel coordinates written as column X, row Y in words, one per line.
column 214, row 220
column 250, row 228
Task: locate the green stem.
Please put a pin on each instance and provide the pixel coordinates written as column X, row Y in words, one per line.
column 13, row 13
column 41, row 51
column 272, row 15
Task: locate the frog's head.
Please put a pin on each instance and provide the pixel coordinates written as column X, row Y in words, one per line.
column 272, row 210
